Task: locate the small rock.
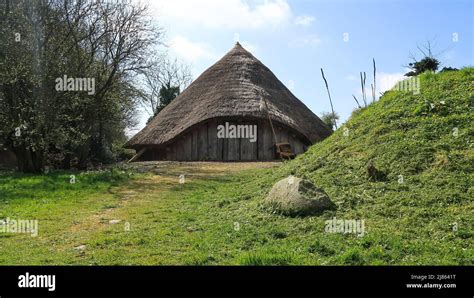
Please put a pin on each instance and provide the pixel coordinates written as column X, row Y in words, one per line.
column 114, row 221
column 80, row 248
column 296, row 196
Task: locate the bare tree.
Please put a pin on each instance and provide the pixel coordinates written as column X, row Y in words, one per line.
column 429, row 61
column 117, row 37
column 164, row 72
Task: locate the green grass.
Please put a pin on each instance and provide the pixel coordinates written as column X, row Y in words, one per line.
column 58, row 205
column 217, row 216
column 426, row 139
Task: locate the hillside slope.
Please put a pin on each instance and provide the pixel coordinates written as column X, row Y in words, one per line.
column 422, row 211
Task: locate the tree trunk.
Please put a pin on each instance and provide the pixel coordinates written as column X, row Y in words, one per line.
column 28, row 161
column 82, row 155
column 66, row 163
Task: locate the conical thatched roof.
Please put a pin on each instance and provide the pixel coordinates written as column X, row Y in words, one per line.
column 233, row 87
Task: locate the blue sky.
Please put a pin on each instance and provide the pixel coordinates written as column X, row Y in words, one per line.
column 295, row 38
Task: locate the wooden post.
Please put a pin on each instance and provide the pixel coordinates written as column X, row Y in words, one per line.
column 373, row 88
column 356, row 100
column 136, row 156
column 269, row 119
column 330, row 100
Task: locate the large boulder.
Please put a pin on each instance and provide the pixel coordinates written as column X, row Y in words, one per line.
column 296, row 196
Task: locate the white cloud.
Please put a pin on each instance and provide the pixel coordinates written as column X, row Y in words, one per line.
column 306, row 41
column 252, row 48
column 351, row 77
column 386, row 81
column 291, row 85
column 230, row 14
column 236, row 37
column 304, row 20
column 191, row 51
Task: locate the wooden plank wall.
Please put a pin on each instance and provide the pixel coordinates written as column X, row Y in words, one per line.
column 266, row 142
column 201, row 143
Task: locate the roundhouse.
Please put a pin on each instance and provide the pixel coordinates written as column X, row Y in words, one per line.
column 237, row 91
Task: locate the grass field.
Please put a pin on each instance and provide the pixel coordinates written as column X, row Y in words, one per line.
column 161, row 220
column 215, row 217
column 421, row 212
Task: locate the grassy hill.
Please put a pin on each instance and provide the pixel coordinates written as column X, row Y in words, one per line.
column 423, row 211
column 419, row 211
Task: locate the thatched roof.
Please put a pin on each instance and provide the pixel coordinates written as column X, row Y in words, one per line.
column 233, row 87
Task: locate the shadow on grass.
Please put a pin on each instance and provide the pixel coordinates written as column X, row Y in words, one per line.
column 18, row 186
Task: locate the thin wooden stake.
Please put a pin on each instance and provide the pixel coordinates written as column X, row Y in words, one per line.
column 365, row 91
column 330, row 99
column 269, row 119
column 356, row 101
column 374, row 88
column 136, row 156
column 362, row 88
column 373, row 92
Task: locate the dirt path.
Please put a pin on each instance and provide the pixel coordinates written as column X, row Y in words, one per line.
column 149, row 195
column 170, row 168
